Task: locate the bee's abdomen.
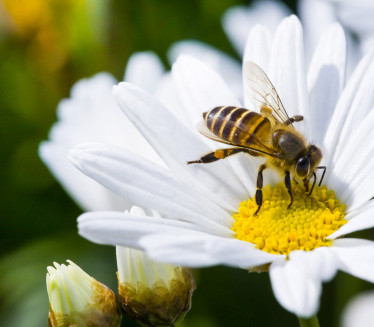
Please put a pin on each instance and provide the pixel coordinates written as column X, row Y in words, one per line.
column 236, row 125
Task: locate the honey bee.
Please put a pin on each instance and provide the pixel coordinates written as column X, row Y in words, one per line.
column 268, row 134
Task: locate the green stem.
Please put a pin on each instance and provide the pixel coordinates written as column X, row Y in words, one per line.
column 309, row 322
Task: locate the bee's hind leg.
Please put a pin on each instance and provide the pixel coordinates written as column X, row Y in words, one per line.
column 218, row 154
column 287, row 182
column 259, row 188
column 210, row 157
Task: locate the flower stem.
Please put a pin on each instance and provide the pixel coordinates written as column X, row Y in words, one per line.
column 309, row 322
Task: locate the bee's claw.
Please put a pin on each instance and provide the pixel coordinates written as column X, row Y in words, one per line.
column 194, row 161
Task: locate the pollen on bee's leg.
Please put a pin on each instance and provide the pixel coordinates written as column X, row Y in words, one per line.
column 220, row 154
column 279, row 228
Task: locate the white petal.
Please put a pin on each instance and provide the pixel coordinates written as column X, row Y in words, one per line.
column 312, row 32
column 198, row 249
column 360, row 219
column 307, row 10
column 135, row 267
column 367, row 42
column 287, row 68
column 356, row 15
column 185, row 249
column 200, row 88
column 320, row 263
column 90, row 114
column 148, row 185
column 359, row 311
column 236, row 25
column 171, row 241
column 166, row 93
column 353, row 175
column 220, row 62
column 144, row 69
column 257, row 50
column 296, row 291
column 88, row 194
column 326, row 80
column 355, row 257
column 356, row 101
column 176, row 145
column 239, row 20
column 257, row 47
column 116, row 228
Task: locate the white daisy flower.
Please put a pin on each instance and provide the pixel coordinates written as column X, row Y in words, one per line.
column 359, row 311
column 206, row 209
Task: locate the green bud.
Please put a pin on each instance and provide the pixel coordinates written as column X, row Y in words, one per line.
column 154, row 293
column 77, row 299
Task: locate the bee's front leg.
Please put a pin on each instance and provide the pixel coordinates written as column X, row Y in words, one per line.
column 314, row 183
column 287, row 182
column 259, row 188
column 306, row 184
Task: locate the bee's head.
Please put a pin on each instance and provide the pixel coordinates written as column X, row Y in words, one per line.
column 306, row 165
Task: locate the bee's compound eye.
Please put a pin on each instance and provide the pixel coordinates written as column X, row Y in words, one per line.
column 303, row 166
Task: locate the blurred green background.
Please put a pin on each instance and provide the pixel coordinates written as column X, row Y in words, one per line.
column 46, row 46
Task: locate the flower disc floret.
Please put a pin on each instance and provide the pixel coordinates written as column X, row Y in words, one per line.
column 278, row 229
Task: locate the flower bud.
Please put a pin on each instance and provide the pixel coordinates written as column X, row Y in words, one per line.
column 77, row 299
column 155, row 294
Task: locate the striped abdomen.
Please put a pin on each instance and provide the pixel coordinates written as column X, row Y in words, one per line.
column 237, row 125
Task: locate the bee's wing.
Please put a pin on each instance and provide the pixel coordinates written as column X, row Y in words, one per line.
column 256, row 145
column 203, row 129
column 262, row 92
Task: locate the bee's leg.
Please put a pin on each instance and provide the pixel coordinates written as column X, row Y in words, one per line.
column 293, row 119
column 205, row 159
column 314, row 183
column 287, row 182
column 306, row 184
column 323, row 174
column 218, row 154
column 259, row 188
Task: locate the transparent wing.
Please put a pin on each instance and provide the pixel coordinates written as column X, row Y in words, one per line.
column 256, row 145
column 262, row 92
column 203, row 129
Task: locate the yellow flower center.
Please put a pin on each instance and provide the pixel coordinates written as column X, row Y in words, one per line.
column 304, row 226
